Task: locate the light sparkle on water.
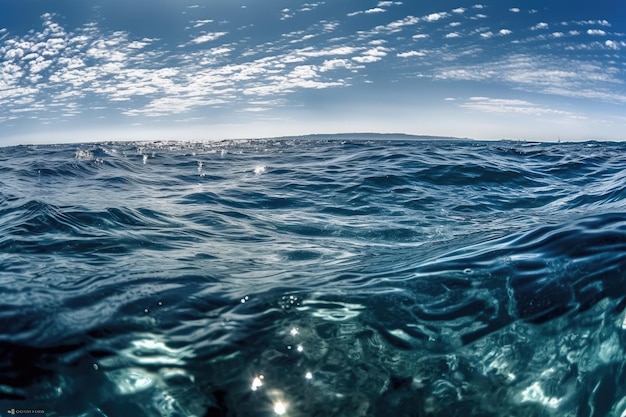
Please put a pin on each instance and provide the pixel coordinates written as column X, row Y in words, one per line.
column 280, row 408
column 257, row 382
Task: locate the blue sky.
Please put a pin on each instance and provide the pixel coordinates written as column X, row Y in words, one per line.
column 145, row 69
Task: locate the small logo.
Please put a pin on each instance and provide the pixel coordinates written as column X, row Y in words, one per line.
column 13, row 411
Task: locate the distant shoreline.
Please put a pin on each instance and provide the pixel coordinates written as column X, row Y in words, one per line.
column 311, row 136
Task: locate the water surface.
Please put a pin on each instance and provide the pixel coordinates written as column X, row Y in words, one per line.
column 313, row 278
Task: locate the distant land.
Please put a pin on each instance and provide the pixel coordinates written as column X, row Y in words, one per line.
column 311, row 136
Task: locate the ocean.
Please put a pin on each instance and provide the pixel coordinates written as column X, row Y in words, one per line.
column 325, row 276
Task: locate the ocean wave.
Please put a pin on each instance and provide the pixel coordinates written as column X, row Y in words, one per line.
column 360, row 277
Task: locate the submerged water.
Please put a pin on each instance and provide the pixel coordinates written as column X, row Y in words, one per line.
column 313, row 278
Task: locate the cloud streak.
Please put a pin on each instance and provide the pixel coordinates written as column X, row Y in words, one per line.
column 512, row 106
column 556, row 76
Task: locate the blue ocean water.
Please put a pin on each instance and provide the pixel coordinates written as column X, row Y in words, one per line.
column 325, row 276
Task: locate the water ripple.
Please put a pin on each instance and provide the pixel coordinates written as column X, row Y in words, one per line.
column 360, row 277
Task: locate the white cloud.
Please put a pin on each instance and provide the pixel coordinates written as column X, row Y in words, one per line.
column 366, row 59
column 398, row 24
column 256, row 109
column 454, row 24
column 478, row 6
column 540, row 25
column 409, row 54
column 200, row 23
column 208, row 37
column 139, row 44
column 10, row 75
column 505, row 32
column 329, row 26
column 592, row 22
column 515, row 106
column 372, row 55
column 561, row 77
column 611, row 44
column 486, row 35
column 452, row 35
column 420, row 36
column 470, row 74
column 12, row 54
column 596, row 32
column 52, row 46
column 368, row 11
column 514, row 9
column 590, row 93
column 459, row 10
column 433, row 17
column 336, row 63
column 301, row 77
column 339, row 50
column 557, row 34
column 304, row 72
column 378, row 51
column 164, row 106
column 30, row 57
column 307, row 7
column 39, row 64
column 219, row 51
column 393, row 27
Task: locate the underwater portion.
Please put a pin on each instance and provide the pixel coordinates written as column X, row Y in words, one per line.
column 344, row 276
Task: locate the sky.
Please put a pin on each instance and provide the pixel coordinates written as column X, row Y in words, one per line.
column 219, row 69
